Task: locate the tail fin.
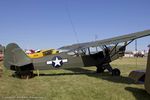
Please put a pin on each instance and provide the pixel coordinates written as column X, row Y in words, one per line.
column 14, row 56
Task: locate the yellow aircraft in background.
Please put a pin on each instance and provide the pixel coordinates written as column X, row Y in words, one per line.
column 42, row 53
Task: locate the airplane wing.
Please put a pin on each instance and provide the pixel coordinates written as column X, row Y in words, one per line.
column 115, row 40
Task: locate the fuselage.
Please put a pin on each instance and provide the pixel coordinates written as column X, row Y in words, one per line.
column 64, row 60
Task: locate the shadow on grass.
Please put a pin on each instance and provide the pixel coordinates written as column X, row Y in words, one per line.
column 139, row 94
column 90, row 73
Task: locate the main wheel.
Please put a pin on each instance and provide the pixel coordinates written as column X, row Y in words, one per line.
column 116, row 72
column 100, row 70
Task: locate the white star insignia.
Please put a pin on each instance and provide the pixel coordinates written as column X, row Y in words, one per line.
column 57, row 62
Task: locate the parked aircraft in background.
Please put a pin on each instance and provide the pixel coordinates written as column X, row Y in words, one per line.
column 41, row 53
column 1, row 52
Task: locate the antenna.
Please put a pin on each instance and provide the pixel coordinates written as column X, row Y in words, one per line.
column 71, row 22
column 96, row 37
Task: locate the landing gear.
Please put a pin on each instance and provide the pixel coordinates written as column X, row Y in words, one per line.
column 100, row 69
column 24, row 74
column 114, row 72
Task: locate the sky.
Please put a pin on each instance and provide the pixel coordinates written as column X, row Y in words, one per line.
column 41, row 24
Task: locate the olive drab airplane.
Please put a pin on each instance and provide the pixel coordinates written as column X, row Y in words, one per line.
column 96, row 53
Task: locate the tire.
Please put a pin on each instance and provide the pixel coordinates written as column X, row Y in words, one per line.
column 116, row 72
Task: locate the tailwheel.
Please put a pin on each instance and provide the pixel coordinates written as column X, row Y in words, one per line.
column 24, row 74
column 27, row 75
column 116, row 72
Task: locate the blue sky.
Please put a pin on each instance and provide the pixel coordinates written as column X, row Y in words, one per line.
column 46, row 24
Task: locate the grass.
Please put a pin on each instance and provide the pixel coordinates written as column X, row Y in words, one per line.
column 76, row 84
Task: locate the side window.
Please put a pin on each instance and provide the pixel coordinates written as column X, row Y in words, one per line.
column 49, row 52
column 74, row 54
column 71, row 53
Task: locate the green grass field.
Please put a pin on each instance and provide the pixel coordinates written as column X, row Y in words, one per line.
column 76, row 84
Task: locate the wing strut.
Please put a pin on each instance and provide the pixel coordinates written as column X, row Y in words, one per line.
column 122, row 47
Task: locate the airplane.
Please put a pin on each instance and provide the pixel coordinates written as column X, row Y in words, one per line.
column 41, row 53
column 72, row 56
